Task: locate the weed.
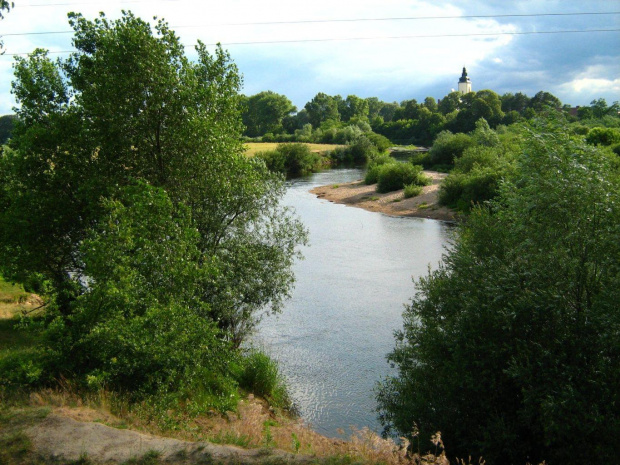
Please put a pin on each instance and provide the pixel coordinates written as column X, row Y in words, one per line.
column 296, row 443
column 229, row 437
column 268, row 436
column 150, row 458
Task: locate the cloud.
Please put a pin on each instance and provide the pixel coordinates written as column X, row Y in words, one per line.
column 330, row 46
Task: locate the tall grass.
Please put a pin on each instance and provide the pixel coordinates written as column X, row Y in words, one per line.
column 261, row 376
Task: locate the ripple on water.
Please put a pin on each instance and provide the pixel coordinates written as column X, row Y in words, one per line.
column 333, row 334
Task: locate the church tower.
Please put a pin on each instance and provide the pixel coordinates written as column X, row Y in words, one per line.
column 464, row 83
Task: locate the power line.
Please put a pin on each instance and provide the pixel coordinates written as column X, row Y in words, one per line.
column 39, row 5
column 420, row 36
column 352, row 20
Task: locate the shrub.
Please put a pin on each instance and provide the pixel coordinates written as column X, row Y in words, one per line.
column 394, row 176
column 421, row 158
column 463, row 190
column 512, row 346
column 274, row 160
column 294, row 159
column 412, row 190
column 447, row 147
column 374, row 165
column 347, row 135
column 381, row 142
column 603, row 136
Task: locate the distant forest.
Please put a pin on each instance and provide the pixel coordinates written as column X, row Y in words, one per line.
column 271, row 117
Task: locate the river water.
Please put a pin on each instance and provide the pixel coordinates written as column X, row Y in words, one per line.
column 333, row 335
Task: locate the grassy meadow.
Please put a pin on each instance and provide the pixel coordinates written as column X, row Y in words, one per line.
column 254, row 147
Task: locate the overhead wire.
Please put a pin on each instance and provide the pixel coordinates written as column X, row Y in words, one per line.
column 342, row 20
column 344, row 39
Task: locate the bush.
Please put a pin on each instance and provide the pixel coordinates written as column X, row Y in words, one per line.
column 374, row 165
column 412, row 190
column 448, row 147
column 421, row 158
column 294, row 159
column 394, row 176
column 464, row 190
column 512, row 346
column 603, row 136
column 140, row 327
column 382, row 143
column 261, row 376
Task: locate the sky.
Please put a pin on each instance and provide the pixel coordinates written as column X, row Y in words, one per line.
column 391, row 49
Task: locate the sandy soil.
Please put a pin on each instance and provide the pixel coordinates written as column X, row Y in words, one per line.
column 358, row 194
column 59, row 438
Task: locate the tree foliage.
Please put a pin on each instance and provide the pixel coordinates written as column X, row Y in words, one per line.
column 265, row 112
column 129, row 109
column 322, row 108
column 511, row 348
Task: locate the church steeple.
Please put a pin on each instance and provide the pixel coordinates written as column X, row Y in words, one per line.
column 464, row 83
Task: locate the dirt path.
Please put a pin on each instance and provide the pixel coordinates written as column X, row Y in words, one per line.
column 60, row 438
column 358, row 194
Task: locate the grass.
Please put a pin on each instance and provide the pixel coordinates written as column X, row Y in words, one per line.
column 255, row 424
column 412, row 190
column 254, row 147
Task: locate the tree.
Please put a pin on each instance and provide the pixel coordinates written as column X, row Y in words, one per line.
column 449, row 103
column 431, row 104
column 5, row 5
column 517, row 102
column 354, row 108
column 7, row 122
column 448, row 147
column 322, row 108
column 512, row 348
column 128, row 106
column 544, row 101
column 265, row 112
column 599, row 108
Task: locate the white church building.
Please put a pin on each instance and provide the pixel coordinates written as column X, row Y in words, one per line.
column 464, row 83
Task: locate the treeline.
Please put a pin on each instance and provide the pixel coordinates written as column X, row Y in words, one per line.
column 269, row 116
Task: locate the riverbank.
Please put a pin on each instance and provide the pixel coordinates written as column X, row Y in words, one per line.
column 357, row 194
column 62, row 425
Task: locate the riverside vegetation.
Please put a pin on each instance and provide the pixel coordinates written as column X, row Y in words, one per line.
column 128, row 204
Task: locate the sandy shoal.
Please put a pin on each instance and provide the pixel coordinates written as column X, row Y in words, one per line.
column 358, row 194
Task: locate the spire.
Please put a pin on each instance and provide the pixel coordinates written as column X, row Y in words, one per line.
column 464, row 77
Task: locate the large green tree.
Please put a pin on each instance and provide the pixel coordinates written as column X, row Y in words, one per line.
column 512, row 347
column 129, row 106
column 265, row 112
column 321, row 108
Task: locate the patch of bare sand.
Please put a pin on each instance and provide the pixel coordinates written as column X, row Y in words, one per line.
column 71, row 433
column 358, row 194
column 65, row 439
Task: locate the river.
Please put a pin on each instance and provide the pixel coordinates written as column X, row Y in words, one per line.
column 334, row 333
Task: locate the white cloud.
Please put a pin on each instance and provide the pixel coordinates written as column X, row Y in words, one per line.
column 409, row 64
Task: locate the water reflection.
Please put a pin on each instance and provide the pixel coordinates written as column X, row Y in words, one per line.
column 333, row 335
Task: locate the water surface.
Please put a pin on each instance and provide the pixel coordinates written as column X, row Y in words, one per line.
column 333, row 335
